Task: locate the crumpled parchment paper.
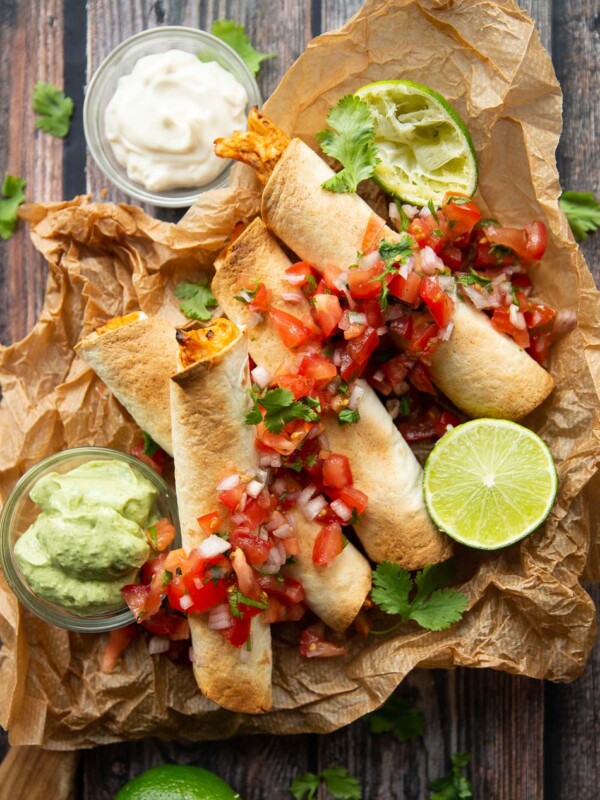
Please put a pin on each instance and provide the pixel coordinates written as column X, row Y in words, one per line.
column 528, row 613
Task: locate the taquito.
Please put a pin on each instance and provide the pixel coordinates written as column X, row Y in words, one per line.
column 135, row 356
column 328, row 229
column 396, row 526
column 208, row 405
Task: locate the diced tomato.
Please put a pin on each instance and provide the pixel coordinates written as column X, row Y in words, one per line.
column 417, row 430
column 286, row 442
column 247, row 578
column 352, row 329
column 406, row 289
column 292, row 546
column 380, row 383
column 436, row 299
column 118, row 641
column 441, row 425
column 328, row 311
column 257, row 550
column 336, row 471
column 402, row 329
column 292, row 331
column 419, row 377
column 328, row 544
column 175, row 591
column 372, row 308
column 204, row 595
column 521, row 280
column 539, row 346
column 522, row 300
column 152, row 566
column 423, row 338
column 360, row 349
column 371, row 236
column 462, row 217
column 501, row 322
column 313, row 643
column 300, row 268
column 428, row 232
column 177, row 559
column 172, row 625
column 329, row 274
column 539, row 316
column 453, row 257
column 349, row 368
column 487, row 256
column 396, row 370
column 255, row 513
column 528, row 243
column 161, row 534
column 298, row 385
column 156, row 461
column 288, row 589
column 353, row 498
column 362, row 282
column 230, row 498
column 261, row 300
column 283, row 612
column 238, row 632
column 318, row 368
column 210, row 523
column 137, row 598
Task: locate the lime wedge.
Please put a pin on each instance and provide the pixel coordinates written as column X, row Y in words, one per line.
column 424, row 146
column 489, row 483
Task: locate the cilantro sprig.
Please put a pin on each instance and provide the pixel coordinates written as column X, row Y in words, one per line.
column 338, row 782
column 425, row 599
column 13, row 194
column 197, row 299
column 280, row 407
column 54, row 109
column 392, row 253
column 583, row 213
column 234, row 34
column 454, row 785
column 351, row 140
column 398, row 717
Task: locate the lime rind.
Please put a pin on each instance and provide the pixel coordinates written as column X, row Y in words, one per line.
column 489, row 483
column 424, row 146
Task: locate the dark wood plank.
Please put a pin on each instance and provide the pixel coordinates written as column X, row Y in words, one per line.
column 258, row 767
column 28, row 52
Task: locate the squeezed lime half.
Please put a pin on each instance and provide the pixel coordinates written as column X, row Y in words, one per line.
column 424, row 146
column 489, row 483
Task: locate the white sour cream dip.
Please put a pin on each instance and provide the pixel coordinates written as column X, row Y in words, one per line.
column 163, row 118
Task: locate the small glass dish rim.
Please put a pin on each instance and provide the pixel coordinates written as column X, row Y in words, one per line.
column 51, row 612
column 94, row 134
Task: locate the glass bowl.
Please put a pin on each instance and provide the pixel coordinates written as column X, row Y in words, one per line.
column 19, row 512
column 121, row 62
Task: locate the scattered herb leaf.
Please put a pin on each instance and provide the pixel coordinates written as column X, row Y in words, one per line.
column 236, row 597
column 150, row 446
column 398, row 717
column 392, row 254
column 54, row 109
column 348, row 416
column 351, row 142
column 234, row 34
column 280, row 408
column 454, row 785
column 197, row 299
column 13, row 195
column 583, row 212
column 338, row 783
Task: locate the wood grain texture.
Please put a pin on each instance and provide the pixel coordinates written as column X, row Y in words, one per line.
column 28, row 53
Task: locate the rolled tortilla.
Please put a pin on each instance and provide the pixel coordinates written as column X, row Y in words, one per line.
column 208, row 405
column 482, row 371
column 396, row 526
column 485, row 373
column 135, row 357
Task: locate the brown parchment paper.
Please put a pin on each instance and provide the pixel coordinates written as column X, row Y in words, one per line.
column 528, row 613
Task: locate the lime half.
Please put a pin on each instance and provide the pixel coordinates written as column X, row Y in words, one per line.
column 489, row 482
column 174, row 782
column 424, row 146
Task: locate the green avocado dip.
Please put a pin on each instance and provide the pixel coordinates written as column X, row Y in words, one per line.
column 90, row 537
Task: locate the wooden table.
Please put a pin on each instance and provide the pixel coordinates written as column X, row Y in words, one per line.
column 528, row 740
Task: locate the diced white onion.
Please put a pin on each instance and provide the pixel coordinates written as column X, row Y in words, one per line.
column 263, row 534
column 381, row 331
column 394, row 215
column 254, row 488
column 446, row 332
column 447, row 283
column 254, row 319
column 401, row 388
column 292, row 297
column 370, row 260
column 516, row 317
column 243, row 500
column 480, row 298
column 410, row 211
column 378, row 376
column 261, row 376
column 238, row 519
column 393, row 312
column 244, row 653
column 336, row 358
column 406, row 267
column 279, row 486
column 186, row 602
column 314, row 507
column 213, row 545
column 230, row 482
column 355, row 395
column 341, row 280
column 499, row 279
column 324, row 441
column 357, row 318
column 566, row 320
column 306, row 494
column 263, row 475
column 276, row 519
column 430, row 263
column 349, row 298
column 295, row 280
column 313, row 432
column 283, row 531
column 393, row 408
column 275, row 560
column 291, row 521
column 424, row 212
column 218, row 618
column 158, row 644
column 246, row 296
column 342, row 510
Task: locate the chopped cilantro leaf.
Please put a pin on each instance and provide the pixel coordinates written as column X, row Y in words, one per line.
column 152, row 537
column 404, row 220
column 583, row 213
column 351, row 142
column 150, row 446
column 236, row 596
column 392, row 253
column 398, row 717
column 404, row 408
column 197, row 299
column 54, row 109
column 234, row 34
column 348, row 416
column 474, row 278
column 281, row 408
column 431, row 208
column 13, row 195
column 166, row 578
